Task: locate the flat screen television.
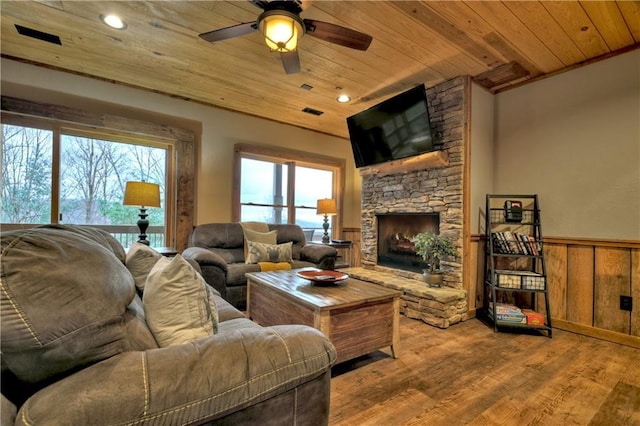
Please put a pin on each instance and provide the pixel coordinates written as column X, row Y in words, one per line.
column 396, row 128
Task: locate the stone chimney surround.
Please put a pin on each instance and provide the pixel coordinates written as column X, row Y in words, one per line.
column 429, row 183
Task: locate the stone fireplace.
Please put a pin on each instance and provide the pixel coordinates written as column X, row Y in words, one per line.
column 419, row 194
column 429, row 190
column 395, row 232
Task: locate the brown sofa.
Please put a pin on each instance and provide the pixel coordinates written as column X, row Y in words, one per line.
column 219, row 250
column 77, row 349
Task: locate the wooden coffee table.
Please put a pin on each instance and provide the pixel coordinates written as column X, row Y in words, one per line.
column 358, row 317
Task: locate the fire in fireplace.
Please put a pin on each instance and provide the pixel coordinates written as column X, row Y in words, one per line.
column 395, row 232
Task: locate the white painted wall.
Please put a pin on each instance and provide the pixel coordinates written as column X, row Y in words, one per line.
column 574, row 139
column 481, row 154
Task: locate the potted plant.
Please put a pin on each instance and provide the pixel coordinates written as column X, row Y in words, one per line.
column 432, row 248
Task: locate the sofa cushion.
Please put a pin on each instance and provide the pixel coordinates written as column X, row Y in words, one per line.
column 236, row 324
column 65, row 298
column 259, row 252
column 236, row 273
column 194, row 384
column 179, row 305
column 226, row 311
column 139, row 261
column 217, row 235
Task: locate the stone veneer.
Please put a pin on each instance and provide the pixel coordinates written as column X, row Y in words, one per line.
column 440, row 307
column 434, row 190
column 429, row 190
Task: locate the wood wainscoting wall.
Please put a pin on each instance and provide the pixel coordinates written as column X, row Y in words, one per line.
column 353, row 235
column 586, row 279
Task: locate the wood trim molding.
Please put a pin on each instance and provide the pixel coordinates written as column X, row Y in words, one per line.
column 598, row 333
column 574, row 241
column 593, row 242
column 466, row 191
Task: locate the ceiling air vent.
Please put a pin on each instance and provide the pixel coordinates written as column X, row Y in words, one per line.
column 30, row 32
column 312, row 111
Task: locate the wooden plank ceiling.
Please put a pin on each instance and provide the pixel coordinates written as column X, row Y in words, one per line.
column 499, row 43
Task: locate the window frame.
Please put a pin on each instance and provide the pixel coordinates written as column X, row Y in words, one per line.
column 291, row 158
column 59, row 128
column 186, row 142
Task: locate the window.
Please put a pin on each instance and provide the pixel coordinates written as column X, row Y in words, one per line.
column 282, row 186
column 263, row 191
column 27, row 159
column 64, row 175
column 312, row 185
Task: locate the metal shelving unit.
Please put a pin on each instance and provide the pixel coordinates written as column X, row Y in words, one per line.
column 515, row 269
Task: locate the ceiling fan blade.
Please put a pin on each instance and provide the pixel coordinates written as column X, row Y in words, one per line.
column 337, row 34
column 230, row 32
column 290, row 61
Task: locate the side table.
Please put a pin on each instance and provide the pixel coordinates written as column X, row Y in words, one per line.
column 345, row 252
column 166, row 251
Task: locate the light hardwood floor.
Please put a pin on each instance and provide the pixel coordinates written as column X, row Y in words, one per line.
column 468, row 374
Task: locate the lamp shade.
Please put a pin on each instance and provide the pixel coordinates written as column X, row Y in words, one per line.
column 142, row 194
column 281, row 30
column 327, row 206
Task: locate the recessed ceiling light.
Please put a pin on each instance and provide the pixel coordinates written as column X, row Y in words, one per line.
column 343, row 99
column 113, row 21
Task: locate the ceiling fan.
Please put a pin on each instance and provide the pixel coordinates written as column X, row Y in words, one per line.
column 282, row 27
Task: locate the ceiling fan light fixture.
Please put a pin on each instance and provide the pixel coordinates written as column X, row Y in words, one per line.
column 281, row 30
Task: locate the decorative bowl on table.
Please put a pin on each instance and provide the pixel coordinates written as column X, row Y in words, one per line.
column 319, row 276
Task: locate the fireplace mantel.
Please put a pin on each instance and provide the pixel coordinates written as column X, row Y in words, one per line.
column 425, row 161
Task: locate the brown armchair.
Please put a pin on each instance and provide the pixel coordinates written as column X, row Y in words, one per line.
column 218, row 248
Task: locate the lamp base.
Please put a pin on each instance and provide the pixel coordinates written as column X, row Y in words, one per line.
column 325, row 226
column 143, row 224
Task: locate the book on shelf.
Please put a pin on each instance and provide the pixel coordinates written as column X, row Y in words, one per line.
column 509, row 242
column 533, row 318
column 508, row 313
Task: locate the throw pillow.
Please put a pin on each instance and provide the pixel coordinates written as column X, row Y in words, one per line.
column 178, row 304
column 259, row 252
column 274, row 266
column 258, row 237
column 139, row 261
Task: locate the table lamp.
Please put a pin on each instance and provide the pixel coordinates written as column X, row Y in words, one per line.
column 143, row 194
column 326, row 206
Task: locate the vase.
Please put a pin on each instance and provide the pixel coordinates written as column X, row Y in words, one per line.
column 433, row 279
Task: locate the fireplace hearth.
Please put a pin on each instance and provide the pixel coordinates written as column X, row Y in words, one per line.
column 395, row 232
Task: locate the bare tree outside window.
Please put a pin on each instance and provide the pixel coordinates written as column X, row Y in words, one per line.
column 93, row 175
column 26, row 175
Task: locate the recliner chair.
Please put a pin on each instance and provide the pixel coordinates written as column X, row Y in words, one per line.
column 218, row 248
